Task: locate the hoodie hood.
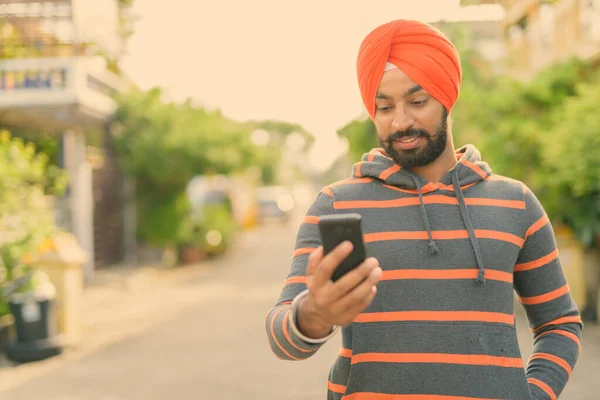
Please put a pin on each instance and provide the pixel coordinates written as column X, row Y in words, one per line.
column 377, row 164
column 468, row 171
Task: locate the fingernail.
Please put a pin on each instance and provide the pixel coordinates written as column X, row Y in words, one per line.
column 376, row 273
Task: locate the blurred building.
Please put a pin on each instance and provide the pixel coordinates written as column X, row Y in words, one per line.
column 54, row 77
column 539, row 33
column 485, row 37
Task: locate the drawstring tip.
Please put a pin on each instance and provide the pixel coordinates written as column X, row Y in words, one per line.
column 481, row 276
column 433, row 247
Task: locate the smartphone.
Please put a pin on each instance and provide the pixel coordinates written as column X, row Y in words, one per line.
column 335, row 229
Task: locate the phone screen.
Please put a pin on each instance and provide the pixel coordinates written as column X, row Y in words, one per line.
column 334, row 230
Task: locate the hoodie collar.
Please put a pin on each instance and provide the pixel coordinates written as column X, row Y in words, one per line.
column 377, row 164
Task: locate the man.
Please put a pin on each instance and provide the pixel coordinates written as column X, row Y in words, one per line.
column 429, row 315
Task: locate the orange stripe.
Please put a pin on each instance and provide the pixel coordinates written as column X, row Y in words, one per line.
column 341, row 389
column 543, row 298
column 506, row 237
column 474, row 167
column 518, row 204
column 275, row 337
column 569, row 335
column 411, row 191
column 478, row 316
column 385, row 396
column 450, row 188
column 430, row 187
column 544, row 387
column 352, row 181
column 295, row 279
column 432, row 199
column 371, row 157
column 537, row 225
column 563, row 320
column 310, row 219
column 445, row 274
column 287, row 335
column 303, row 250
column 347, row 353
column 443, row 235
column 439, row 358
column 391, row 170
column 551, row 357
column 357, row 169
column 540, row 262
column 327, row 191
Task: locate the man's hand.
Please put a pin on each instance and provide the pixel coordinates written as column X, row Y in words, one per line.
column 331, row 303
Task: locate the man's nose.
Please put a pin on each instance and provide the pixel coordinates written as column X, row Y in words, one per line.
column 402, row 120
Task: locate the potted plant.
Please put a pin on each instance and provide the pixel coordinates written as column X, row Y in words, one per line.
column 26, row 224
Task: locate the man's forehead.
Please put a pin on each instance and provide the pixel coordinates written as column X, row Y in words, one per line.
column 394, row 80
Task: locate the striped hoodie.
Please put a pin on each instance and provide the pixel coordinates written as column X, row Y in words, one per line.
column 453, row 254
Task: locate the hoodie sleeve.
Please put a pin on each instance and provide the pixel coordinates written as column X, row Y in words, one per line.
column 553, row 316
column 284, row 339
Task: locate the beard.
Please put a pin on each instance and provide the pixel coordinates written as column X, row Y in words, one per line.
column 436, row 144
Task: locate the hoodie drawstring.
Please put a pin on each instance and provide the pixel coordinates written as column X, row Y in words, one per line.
column 464, row 212
column 432, row 246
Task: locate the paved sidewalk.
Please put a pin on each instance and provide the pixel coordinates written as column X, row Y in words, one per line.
column 121, row 302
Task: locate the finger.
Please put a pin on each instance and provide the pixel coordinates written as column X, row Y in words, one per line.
column 330, row 262
column 313, row 260
column 348, row 315
column 361, row 293
column 353, row 278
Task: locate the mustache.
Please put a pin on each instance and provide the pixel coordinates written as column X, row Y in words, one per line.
column 399, row 135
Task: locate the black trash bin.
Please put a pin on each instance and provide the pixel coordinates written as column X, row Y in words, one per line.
column 35, row 325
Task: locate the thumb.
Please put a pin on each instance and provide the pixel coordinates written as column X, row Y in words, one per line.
column 313, row 261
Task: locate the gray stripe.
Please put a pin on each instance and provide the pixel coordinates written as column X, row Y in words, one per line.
column 407, row 295
column 443, row 379
column 448, row 338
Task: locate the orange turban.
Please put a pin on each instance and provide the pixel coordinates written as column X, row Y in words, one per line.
column 419, row 50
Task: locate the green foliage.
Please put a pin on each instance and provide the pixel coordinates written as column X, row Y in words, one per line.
column 26, row 217
column 571, row 159
column 163, row 145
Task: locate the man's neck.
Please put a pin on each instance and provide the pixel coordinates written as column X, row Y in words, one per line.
column 435, row 171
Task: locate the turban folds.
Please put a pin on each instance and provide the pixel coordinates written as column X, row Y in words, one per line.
column 419, row 50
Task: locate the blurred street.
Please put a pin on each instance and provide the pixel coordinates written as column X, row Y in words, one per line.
column 206, row 339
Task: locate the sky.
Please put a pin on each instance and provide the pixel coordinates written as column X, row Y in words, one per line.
column 271, row 59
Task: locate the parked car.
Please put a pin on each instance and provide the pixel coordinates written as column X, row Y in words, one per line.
column 274, row 203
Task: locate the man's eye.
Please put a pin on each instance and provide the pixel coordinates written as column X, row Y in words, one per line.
column 418, row 102
column 383, row 108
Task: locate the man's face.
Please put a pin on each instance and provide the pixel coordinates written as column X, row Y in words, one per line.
column 411, row 125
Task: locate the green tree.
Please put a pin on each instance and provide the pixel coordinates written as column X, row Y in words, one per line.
column 164, row 145
column 572, row 163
